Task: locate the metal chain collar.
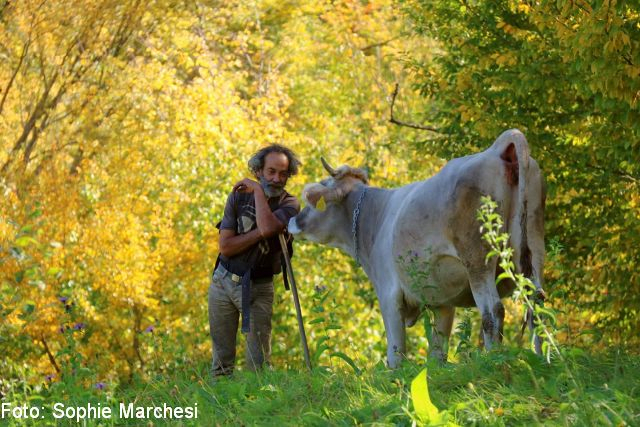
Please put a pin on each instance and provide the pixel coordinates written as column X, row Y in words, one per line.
column 354, row 224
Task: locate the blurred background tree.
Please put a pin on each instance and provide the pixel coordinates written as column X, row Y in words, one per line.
column 124, row 125
column 568, row 75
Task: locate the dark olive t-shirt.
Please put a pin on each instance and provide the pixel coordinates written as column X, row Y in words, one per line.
column 240, row 216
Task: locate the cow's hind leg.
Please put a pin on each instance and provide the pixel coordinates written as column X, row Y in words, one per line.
column 490, row 307
column 439, row 343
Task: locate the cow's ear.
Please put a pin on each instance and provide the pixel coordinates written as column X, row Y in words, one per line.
column 313, row 194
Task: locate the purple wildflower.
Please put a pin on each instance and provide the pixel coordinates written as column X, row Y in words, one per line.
column 79, row 326
column 50, row 377
column 320, row 288
column 61, row 329
column 100, row 386
column 150, row 329
column 63, row 299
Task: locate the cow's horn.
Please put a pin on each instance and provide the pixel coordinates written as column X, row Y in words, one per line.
column 329, row 169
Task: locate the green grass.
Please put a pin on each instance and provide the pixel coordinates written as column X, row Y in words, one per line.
column 504, row 387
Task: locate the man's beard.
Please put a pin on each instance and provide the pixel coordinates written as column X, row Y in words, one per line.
column 271, row 189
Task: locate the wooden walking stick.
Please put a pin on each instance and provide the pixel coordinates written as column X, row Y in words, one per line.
column 296, row 301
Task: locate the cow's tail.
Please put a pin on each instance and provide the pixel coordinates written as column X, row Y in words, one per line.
column 515, row 154
column 520, row 217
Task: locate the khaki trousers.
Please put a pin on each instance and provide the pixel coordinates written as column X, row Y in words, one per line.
column 225, row 307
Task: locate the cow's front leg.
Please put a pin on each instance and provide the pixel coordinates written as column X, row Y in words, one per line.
column 394, row 328
column 439, row 344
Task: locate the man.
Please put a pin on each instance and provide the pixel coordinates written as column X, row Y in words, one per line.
column 242, row 283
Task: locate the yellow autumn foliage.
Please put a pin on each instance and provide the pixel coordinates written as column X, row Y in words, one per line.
column 123, row 126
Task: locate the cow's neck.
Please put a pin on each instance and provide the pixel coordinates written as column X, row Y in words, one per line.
column 369, row 220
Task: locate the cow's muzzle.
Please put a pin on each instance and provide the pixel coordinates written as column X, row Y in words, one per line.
column 293, row 226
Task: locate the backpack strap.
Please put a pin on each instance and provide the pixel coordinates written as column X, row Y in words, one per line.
column 246, row 302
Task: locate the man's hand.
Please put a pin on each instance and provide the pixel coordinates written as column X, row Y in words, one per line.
column 268, row 225
column 247, row 186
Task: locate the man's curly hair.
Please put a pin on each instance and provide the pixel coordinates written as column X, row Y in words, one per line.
column 256, row 162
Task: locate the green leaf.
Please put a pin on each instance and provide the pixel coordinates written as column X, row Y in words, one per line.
column 35, row 213
column 28, row 308
column 55, row 271
column 319, row 350
column 502, row 276
column 426, row 411
column 25, row 241
column 26, row 229
column 546, row 312
column 347, row 359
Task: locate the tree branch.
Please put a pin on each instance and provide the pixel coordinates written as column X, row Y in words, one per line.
column 410, row 125
column 25, row 49
column 52, row 359
column 28, row 127
column 136, row 332
column 621, row 174
column 379, row 44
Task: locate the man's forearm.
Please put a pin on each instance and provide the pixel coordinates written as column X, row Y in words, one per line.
column 268, row 224
column 234, row 244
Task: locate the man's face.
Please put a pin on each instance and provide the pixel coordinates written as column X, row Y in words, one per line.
column 274, row 174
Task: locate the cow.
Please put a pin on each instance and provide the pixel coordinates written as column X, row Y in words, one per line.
column 398, row 234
